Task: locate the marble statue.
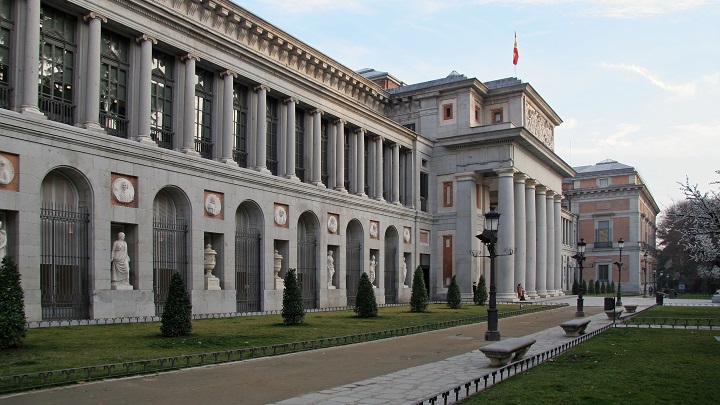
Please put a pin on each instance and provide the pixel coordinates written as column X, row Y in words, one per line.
column 3, row 241
column 120, row 272
column 330, row 268
column 371, row 274
column 404, row 273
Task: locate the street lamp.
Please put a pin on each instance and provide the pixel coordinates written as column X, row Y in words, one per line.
column 489, row 238
column 618, row 301
column 580, row 257
column 645, row 260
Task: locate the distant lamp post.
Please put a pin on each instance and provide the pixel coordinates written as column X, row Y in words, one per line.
column 580, row 258
column 489, row 238
column 618, row 301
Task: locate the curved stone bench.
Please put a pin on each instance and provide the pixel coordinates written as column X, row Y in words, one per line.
column 505, row 351
column 575, row 327
column 630, row 308
column 614, row 313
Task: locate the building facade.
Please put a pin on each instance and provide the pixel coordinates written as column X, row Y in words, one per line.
column 225, row 149
column 613, row 202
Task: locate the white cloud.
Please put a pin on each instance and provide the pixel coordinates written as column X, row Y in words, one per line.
column 642, row 8
column 687, row 89
column 569, row 123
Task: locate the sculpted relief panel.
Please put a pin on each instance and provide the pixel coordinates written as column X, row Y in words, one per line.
column 539, row 126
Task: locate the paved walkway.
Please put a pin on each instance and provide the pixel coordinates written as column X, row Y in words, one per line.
column 390, row 371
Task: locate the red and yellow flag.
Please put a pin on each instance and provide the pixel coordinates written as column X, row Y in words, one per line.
column 516, row 54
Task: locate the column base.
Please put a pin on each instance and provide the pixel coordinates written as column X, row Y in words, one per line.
column 93, row 126
column 292, row 177
column 228, row 161
column 31, row 110
column 507, row 297
column 542, row 294
column 319, row 184
column 146, row 140
column 341, row 189
column 531, row 294
column 362, row 195
column 191, row 152
column 380, row 199
column 263, row 169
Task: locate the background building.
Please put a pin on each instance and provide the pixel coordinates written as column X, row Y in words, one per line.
column 229, row 151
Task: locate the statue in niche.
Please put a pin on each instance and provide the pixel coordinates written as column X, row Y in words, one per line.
column 120, row 271
column 371, row 274
column 330, row 268
column 404, row 272
column 3, row 241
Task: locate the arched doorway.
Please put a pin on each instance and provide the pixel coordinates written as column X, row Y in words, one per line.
column 307, row 258
column 169, row 244
column 64, row 269
column 391, row 265
column 354, row 259
column 247, row 257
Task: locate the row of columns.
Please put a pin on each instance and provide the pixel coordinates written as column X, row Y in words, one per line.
column 29, row 103
column 530, row 223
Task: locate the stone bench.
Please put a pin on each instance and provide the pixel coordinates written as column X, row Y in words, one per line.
column 575, row 327
column 630, row 308
column 505, row 351
column 614, row 313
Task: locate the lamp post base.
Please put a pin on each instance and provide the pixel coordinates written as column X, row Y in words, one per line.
column 492, row 335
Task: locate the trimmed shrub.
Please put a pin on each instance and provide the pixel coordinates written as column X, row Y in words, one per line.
column 585, row 287
column 612, row 287
column 597, row 286
column 12, row 306
column 482, row 291
column 365, row 304
column 602, row 288
column 293, row 310
column 591, row 287
column 419, row 297
column 454, row 300
column 177, row 315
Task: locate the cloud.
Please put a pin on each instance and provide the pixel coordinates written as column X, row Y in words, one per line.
column 642, row 8
column 312, row 6
column 687, row 89
column 570, row 123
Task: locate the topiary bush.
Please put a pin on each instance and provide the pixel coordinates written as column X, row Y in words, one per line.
column 603, row 288
column 597, row 286
column 419, row 297
column 12, row 307
column 612, row 287
column 454, row 300
column 585, row 287
column 365, row 303
column 176, row 318
column 591, row 287
column 482, row 291
column 293, row 310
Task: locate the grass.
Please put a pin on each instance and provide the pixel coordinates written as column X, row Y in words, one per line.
column 78, row 346
column 623, row 365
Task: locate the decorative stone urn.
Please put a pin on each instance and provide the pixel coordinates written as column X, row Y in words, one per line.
column 277, row 266
column 211, row 282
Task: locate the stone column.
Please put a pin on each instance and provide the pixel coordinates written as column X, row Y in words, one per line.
column 558, row 245
column 31, row 60
column 379, row 169
column 92, row 77
column 317, row 146
column 520, row 230
column 340, row 156
column 291, row 134
column 189, row 106
column 541, row 238
column 505, row 266
column 396, row 174
column 228, row 118
column 530, row 239
column 466, row 228
column 144, row 97
column 361, row 162
column 414, row 198
column 550, row 243
column 261, row 138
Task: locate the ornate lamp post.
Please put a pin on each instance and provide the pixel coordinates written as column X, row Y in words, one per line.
column 580, row 257
column 489, row 238
column 618, row 301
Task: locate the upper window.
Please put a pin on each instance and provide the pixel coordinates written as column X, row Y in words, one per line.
column 300, row 144
column 448, row 194
column 57, row 64
column 602, row 182
column 240, row 113
column 161, row 98
column 603, row 234
column 447, row 110
column 497, row 116
column 6, row 28
column 113, row 84
column 424, row 183
column 203, row 113
column 272, row 135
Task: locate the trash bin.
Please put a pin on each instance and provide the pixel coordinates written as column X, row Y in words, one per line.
column 659, row 298
column 673, row 293
column 609, row 303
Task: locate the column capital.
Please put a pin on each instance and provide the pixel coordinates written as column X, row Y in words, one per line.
column 340, row 121
column 467, row 176
column 93, row 15
column 505, row 172
column 559, row 197
column 145, row 37
column 228, row 72
column 261, row 87
column 520, row 177
column 290, row 100
column 317, row 111
column 360, row 130
column 190, row 56
column 378, row 137
column 550, row 194
column 530, row 183
column 540, row 189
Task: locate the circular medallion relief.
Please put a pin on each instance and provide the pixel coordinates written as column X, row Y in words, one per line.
column 373, row 229
column 213, row 205
column 7, row 171
column 332, row 224
column 406, row 235
column 280, row 215
column 123, row 190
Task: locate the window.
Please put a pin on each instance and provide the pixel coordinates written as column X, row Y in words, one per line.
column 603, row 234
column 57, row 64
column 447, row 194
column 497, row 116
column 272, row 135
column 346, row 163
column 367, row 169
column 424, row 185
column 478, row 115
column 603, row 272
column 203, row 113
column 447, row 111
column 324, row 153
column 240, row 112
column 6, row 28
column 113, row 84
column 410, row 126
column 161, row 98
column 602, row 182
column 300, row 144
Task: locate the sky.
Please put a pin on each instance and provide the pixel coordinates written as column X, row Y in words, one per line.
column 636, row 81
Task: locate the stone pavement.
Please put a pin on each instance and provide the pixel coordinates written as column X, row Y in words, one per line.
column 389, row 371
